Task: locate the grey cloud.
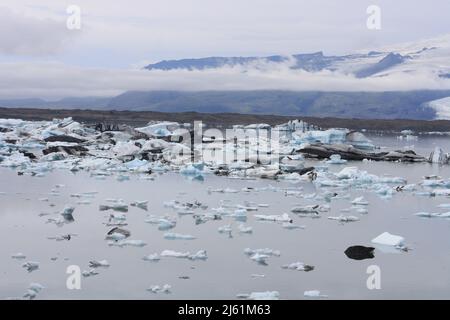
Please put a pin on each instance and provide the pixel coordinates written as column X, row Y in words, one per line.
column 25, row 35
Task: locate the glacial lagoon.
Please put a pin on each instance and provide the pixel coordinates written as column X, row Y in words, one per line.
column 28, row 204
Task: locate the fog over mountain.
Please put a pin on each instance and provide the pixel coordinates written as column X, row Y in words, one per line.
column 401, row 81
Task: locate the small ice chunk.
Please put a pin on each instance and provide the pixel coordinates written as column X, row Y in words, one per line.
column 291, row 226
column 265, row 251
column 178, row 236
column 199, row 255
column 140, row 204
column 18, row 256
column 160, row 289
column 97, row 264
column 89, row 273
column 360, row 201
column 131, row 243
column 260, row 258
column 336, row 159
column 389, row 239
column 314, row 294
column 343, row 218
column 225, row 229
column 362, row 210
column 174, row 254
column 299, row 266
column 68, row 210
column 276, row 218
column 33, row 289
column 117, row 234
column 154, row 257
column 31, row 266
column 119, row 206
column 266, row 295
column 245, row 229
column 306, row 209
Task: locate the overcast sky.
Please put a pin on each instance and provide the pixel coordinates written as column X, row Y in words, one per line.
column 128, row 34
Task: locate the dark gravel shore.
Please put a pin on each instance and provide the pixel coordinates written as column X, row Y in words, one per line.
column 138, row 118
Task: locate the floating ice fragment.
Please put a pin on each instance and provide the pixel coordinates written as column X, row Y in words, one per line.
column 89, row 273
column 140, row 204
column 174, row 254
column 260, row 258
column 314, row 294
column 225, row 229
column 291, row 226
column 98, row 264
column 160, row 289
column 131, row 243
column 119, row 206
column 389, row 240
column 276, row 218
column 154, row 257
column 438, row 156
column 200, row 255
column 360, row 201
column 315, row 209
column 362, row 210
column 31, row 266
column 433, row 215
column 18, row 256
column 245, row 229
column 343, row 218
column 299, row 266
column 33, row 289
column 117, row 233
column 265, row 251
column 336, row 159
column 178, row 236
column 266, row 295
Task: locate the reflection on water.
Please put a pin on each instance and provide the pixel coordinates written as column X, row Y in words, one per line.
column 422, row 272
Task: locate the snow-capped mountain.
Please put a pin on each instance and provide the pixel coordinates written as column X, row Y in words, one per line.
column 410, row 74
column 431, row 56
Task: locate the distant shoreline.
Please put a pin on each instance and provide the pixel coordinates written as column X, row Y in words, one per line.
column 138, row 118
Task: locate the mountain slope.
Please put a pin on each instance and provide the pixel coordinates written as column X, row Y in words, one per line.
column 364, row 105
column 429, row 56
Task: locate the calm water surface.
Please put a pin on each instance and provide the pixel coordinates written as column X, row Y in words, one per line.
column 423, row 272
